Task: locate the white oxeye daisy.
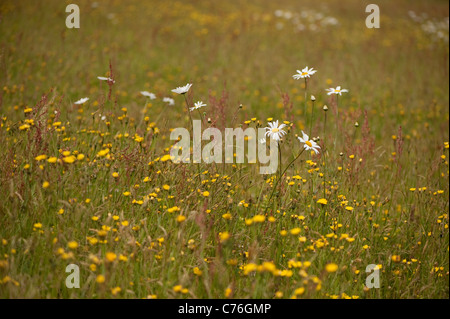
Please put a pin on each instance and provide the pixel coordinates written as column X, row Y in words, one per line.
column 148, row 94
column 305, row 73
column 197, row 105
column 337, row 90
column 309, row 144
column 169, row 100
column 82, row 101
column 102, row 78
column 182, row 89
column 274, row 131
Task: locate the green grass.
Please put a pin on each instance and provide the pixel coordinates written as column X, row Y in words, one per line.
column 234, row 54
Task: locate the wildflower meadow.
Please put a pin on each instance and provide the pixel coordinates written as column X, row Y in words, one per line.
column 224, row 149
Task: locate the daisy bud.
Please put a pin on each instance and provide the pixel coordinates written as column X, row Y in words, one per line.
column 240, row 106
column 356, row 124
column 341, row 154
column 325, row 108
column 313, row 98
column 209, row 120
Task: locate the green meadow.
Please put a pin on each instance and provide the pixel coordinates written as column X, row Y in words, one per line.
column 92, row 183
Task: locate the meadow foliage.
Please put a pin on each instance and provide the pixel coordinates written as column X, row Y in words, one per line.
column 362, row 126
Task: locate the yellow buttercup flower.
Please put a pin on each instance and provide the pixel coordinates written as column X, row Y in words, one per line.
column 181, row 218
column 197, row 271
column 40, row 157
column 116, row 290
column 259, row 218
column 110, row 256
column 69, row 159
column 331, row 267
column 224, row 236
column 100, row 279
column 72, row 245
column 103, row 152
column 165, row 158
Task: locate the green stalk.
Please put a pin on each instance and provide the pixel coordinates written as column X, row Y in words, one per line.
column 311, row 119
column 189, row 113
column 306, row 95
column 282, row 174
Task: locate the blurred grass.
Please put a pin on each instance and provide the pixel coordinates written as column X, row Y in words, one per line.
column 398, row 74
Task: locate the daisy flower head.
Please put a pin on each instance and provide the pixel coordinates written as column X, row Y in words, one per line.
column 309, row 144
column 82, row 101
column 102, row 78
column 182, row 89
column 169, row 100
column 149, row 95
column 305, row 73
column 197, row 105
column 274, row 131
column 337, row 90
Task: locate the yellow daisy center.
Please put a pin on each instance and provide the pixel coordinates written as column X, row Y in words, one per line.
column 304, row 73
column 338, row 90
column 308, row 143
column 275, row 130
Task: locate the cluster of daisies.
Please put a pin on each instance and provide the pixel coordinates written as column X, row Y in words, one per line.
column 150, row 95
column 273, row 130
column 184, row 90
column 307, row 72
column 276, row 131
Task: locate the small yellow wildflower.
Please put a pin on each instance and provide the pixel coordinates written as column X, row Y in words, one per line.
column 72, row 245
column 331, row 267
column 100, row 279
column 110, row 256
column 197, row 271
column 224, row 236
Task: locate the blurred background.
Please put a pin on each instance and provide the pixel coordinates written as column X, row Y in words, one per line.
column 245, row 53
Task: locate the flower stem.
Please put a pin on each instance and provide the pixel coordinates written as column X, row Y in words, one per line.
column 280, row 165
column 324, row 159
column 337, row 110
column 306, row 95
column 282, row 174
column 201, row 117
column 189, row 113
column 311, row 119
